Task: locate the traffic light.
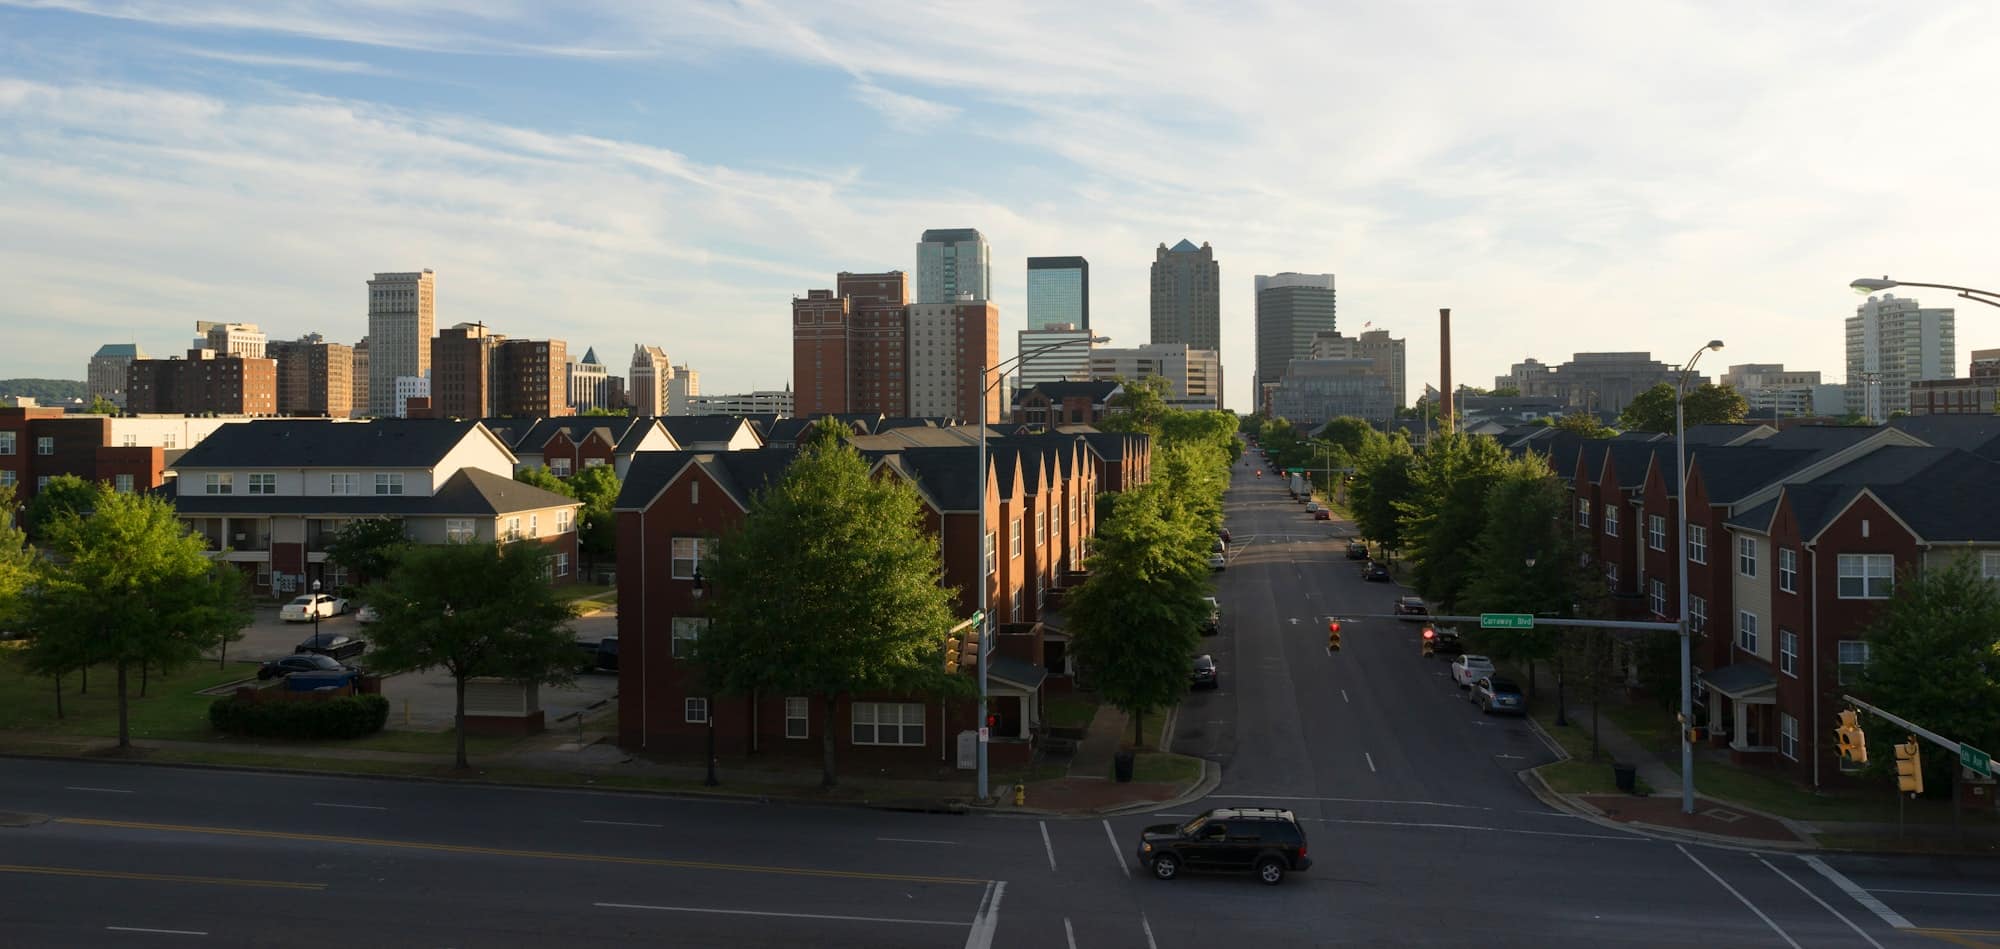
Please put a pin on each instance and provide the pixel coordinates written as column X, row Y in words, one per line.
column 1430, row 640
column 1909, row 768
column 951, row 646
column 1853, row 743
column 1333, row 635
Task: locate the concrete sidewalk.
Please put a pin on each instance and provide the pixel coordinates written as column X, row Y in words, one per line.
column 1100, row 744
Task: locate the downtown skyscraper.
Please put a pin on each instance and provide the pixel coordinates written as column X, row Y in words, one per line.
column 1058, row 292
column 1291, row 309
column 402, row 315
column 1187, row 296
column 953, row 264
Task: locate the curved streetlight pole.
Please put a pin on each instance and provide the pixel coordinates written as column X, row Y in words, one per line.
column 986, row 615
column 1681, row 522
column 1867, row 285
column 708, row 703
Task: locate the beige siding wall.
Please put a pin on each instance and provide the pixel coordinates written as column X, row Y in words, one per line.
column 1751, row 594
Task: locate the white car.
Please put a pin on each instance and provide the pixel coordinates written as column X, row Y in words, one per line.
column 1468, row 669
column 366, row 614
column 303, row 609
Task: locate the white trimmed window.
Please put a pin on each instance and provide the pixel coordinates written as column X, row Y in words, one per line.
column 797, row 724
column 1788, row 653
column 1014, row 539
column 1697, row 544
column 534, row 525
column 1867, row 576
column 1697, row 615
column 6, row 443
column 1788, row 736
column 264, row 574
column 1851, row 656
column 223, row 483
column 990, row 541
column 1611, row 520
column 1041, row 527
column 343, row 482
column 1014, row 608
column 263, row 482
column 687, row 632
column 593, row 462
column 1656, row 531
column 45, row 445
column 513, row 531
column 562, row 564
column 1989, row 564
column 559, row 467
column 1698, row 690
column 563, row 520
column 458, row 530
column 1656, row 595
column 122, row 483
column 1746, row 631
column 1788, row 570
column 695, row 711
column 1746, row 556
column 1583, row 512
column 6, row 478
column 1611, row 575
column 687, row 556
column 888, row 723
column 388, row 482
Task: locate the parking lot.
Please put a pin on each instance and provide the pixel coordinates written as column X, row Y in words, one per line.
column 424, row 701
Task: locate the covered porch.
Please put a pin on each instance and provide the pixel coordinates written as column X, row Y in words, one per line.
column 1742, row 711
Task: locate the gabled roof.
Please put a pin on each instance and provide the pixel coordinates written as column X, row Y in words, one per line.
column 1734, row 433
column 695, row 429
column 741, row 474
column 1097, row 391
column 1942, row 494
column 949, row 475
column 1818, row 437
column 1731, row 472
column 1978, row 434
column 510, row 431
column 470, row 492
column 613, row 429
column 892, row 423
column 326, row 443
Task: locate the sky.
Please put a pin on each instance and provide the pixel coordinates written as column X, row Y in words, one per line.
column 1564, row 176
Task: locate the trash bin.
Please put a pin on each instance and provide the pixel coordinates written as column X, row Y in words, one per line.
column 1121, row 767
column 1627, row 777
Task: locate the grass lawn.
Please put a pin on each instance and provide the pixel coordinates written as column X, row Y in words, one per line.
column 1155, row 722
column 1779, row 795
column 1165, row 768
column 428, row 743
column 1069, row 711
column 588, row 595
column 1584, row 777
column 1651, row 726
column 172, row 708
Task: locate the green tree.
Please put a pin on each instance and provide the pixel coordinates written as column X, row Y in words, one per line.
column 1508, row 392
column 1383, row 481
column 65, row 494
column 367, row 548
column 1141, row 407
column 472, row 610
column 600, row 410
column 1710, row 404
column 830, row 587
column 100, row 405
column 1348, row 433
column 1585, row 424
column 597, row 530
column 1136, row 620
column 1526, row 519
column 129, row 585
column 545, row 479
column 1446, row 509
column 1934, row 658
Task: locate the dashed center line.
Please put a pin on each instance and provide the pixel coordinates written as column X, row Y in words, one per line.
column 1047, row 846
column 1371, row 761
column 101, row 791
column 1116, row 850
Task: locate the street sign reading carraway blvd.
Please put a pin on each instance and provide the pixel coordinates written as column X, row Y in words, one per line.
column 1976, row 760
column 1506, row 621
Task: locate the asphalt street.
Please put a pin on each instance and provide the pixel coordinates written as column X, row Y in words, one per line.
column 1420, row 832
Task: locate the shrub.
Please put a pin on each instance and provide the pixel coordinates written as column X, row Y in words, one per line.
column 347, row 716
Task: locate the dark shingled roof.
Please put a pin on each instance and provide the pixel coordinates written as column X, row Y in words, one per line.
column 321, row 443
column 577, row 428
column 1730, row 472
column 472, row 491
column 741, row 473
column 1818, row 437
column 949, row 475
column 1738, row 678
column 1095, row 390
column 688, row 430
column 1944, row 494
column 510, row 431
column 893, row 423
column 1978, row 434
column 1718, row 434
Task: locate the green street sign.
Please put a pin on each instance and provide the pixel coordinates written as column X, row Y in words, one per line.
column 1975, row 760
column 1506, row 621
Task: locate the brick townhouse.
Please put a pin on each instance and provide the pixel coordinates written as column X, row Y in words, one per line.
column 38, row 443
column 1038, row 494
column 1794, row 537
column 572, row 443
column 1046, row 404
column 270, row 494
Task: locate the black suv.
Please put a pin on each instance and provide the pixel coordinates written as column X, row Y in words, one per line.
column 1266, row 840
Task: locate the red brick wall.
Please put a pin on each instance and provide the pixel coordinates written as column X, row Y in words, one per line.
column 1840, row 619
column 819, row 353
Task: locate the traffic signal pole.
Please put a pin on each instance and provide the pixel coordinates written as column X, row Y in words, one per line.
column 1918, row 731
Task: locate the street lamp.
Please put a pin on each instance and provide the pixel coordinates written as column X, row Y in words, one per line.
column 1867, row 285
column 1681, row 523
column 315, row 607
column 986, row 615
column 708, row 712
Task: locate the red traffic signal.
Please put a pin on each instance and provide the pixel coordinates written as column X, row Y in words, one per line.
column 1430, row 633
column 992, row 721
column 1333, row 626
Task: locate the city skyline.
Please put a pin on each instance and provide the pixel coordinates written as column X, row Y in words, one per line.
column 276, row 160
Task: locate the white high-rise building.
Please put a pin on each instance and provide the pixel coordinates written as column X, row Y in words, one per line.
column 589, row 383
column 761, row 402
column 407, row 388
column 402, row 318
column 1069, row 362
column 229, row 339
column 647, row 380
column 953, row 265
column 1892, row 342
column 1195, row 374
column 682, row 387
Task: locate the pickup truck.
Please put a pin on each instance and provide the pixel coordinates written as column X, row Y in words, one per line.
column 600, row 655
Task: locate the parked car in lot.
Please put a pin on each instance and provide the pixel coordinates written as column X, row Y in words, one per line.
column 1411, row 606
column 1376, row 572
column 1213, row 624
column 1469, row 668
column 303, row 662
column 334, row 645
column 1206, row 675
column 1267, row 841
column 1493, row 694
column 1218, row 561
column 366, row 614
column 1322, row 515
column 602, row 654
column 1357, row 550
column 303, row 609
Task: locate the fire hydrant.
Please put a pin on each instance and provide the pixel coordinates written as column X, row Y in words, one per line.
column 1020, row 794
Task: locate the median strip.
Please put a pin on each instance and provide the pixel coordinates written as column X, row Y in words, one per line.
column 471, row 850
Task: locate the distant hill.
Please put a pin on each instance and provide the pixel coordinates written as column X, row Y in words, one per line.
column 46, row 391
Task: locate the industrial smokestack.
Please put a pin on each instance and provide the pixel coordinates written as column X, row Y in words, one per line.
column 1447, row 411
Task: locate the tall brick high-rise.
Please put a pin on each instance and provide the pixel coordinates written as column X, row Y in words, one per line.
column 402, row 313
column 463, row 370
column 850, row 345
column 315, row 377
column 949, row 342
column 533, row 378
column 819, row 353
column 203, row 382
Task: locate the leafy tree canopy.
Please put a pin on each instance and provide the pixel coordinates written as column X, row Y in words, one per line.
column 545, row 479
column 1585, row 424
column 1653, row 409
column 1446, row 508
column 1934, row 658
column 65, row 494
column 597, row 529
column 1510, row 392
column 600, row 410
column 367, row 548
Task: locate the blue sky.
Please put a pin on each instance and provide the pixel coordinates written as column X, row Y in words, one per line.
column 1566, row 176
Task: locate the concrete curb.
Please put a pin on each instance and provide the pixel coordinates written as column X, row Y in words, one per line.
column 1583, row 809
column 1211, row 777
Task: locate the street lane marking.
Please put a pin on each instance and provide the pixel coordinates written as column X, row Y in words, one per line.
column 988, row 918
column 915, row 840
column 1116, row 851
column 1989, row 896
column 1343, row 696
column 1051, row 848
column 351, row 807
column 1344, row 800
column 1371, row 761
column 1147, row 925
column 164, row 932
column 523, row 854
column 1068, row 933
column 1426, row 825
column 619, row 823
column 1739, row 896
column 1855, row 891
column 99, row 790
column 156, row 877
column 1815, row 898
column 758, row 912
